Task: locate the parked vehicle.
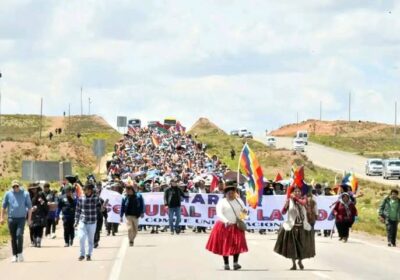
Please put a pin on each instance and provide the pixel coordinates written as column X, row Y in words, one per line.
column 235, row 132
column 391, row 168
column 242, row 131
column 271, row 141
column 374, row 166
column 303, row 135
column 248, row 134
column 298, row 145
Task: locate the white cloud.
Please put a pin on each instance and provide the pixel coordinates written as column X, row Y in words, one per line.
column 240, row 63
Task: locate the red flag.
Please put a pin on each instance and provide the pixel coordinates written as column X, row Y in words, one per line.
column 298, row 181
column 214, row 183
column 278, row 177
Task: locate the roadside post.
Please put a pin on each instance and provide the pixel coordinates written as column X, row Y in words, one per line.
column 99, row 150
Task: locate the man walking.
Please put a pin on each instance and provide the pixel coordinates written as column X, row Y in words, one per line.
column 52, row 201
column 85, row 220
column 389, row 213
column 172, row 201
column 18, row 204
column 67, row 206
column 132, row 207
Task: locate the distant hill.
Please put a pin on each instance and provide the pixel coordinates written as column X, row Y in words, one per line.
column 20, row 141
column 366, row 138
column 272, row 160
column 204, row 125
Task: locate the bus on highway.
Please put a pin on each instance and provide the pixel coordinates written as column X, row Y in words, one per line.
column 169, row 122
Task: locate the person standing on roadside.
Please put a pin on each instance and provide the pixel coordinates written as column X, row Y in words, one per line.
column 85, row 220
column 172, row 201
column 67, row 206
column 389, row 213
column 132, row 207
column 18, row 205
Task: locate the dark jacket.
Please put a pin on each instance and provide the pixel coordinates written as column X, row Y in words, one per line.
column 39, row 211
column 172, row 197
column 67, row 207
column 132, row 205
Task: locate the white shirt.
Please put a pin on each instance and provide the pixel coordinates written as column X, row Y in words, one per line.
column 225, row 212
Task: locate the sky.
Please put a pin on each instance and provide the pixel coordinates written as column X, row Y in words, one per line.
column 251, row 63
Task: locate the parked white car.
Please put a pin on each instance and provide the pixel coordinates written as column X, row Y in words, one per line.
column 298, row 145
column 242, row 132
column 248, row 134
column 374, row 166
column 271, row 141
column 391, row 168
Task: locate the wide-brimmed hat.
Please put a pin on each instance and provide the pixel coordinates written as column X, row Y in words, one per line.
column 230, row 186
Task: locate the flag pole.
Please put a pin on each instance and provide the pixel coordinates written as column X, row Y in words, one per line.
column 240, row 157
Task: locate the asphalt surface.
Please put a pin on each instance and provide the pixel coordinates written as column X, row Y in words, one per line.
column 162, row 256
column 333, row 159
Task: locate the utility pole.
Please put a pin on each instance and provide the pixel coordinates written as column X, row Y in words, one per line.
column 0, row 100
column 69, row 117
column 320, row 110
column 41, row 117
column 81, row 102
column 395, row 119
column 349, row 106
column 90, row 102
column 297, row 118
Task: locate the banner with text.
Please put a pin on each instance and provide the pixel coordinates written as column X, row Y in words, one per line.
column 200, row 210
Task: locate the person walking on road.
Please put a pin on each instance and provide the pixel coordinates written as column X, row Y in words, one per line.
column 226, row 239
column 67, row 206
column 18, row 205
column 172, row 201
column 345, row 213
column 389, row 213
column 40, row 211
column 52, row 202
column 132, row 207
column 85, row 220
column 295, row 237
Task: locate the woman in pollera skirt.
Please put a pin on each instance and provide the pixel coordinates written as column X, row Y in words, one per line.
column 226, row 239
column 296, row 237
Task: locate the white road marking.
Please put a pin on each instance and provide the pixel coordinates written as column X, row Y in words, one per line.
column 116, row 269
column 321, row 275
column 392, row 250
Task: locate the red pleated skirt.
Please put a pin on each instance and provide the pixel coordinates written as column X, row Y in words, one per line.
column 226, row 241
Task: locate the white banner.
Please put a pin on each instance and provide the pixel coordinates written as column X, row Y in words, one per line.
column 200, row 210
column 113, row 200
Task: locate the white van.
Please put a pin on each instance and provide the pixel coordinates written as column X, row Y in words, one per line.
column 303, row 135
column 391, row 168
column 271, row 141
column 374, row 166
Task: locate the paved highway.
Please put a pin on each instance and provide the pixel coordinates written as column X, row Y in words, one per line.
column 167, row 257
column 333, row 159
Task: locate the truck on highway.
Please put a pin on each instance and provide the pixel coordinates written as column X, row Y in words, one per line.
column 374, row 166
column 303, row 135
column 242, row 132
column 391, row 168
